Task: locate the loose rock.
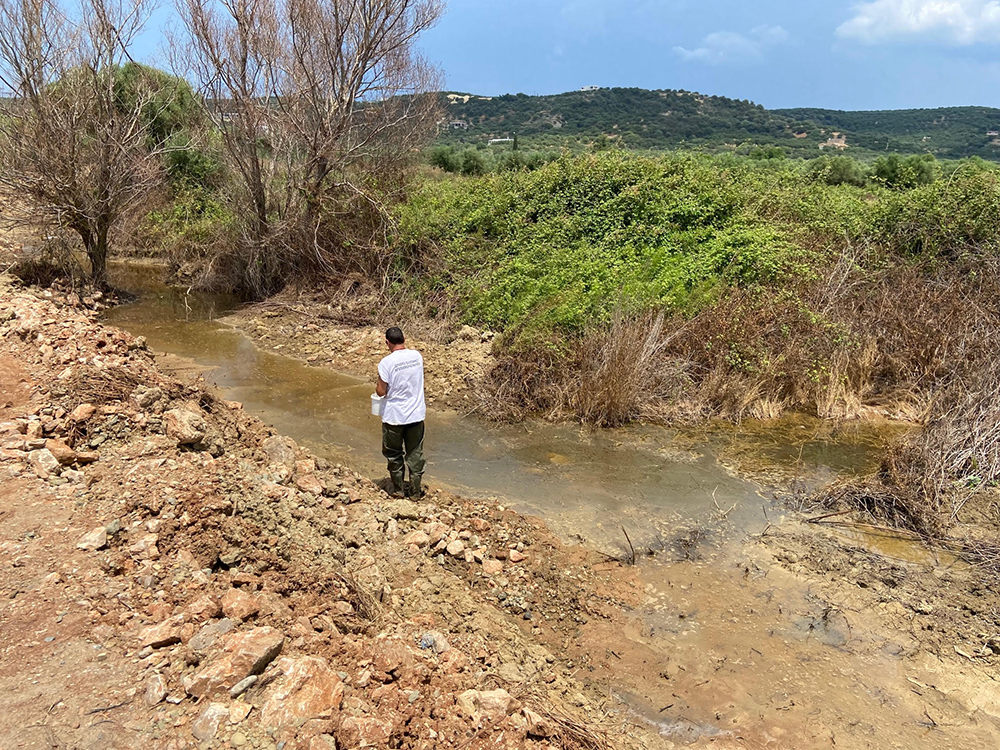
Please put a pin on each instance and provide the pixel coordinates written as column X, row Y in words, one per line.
column 94, row 540
column 207, row 724
column 185, row 426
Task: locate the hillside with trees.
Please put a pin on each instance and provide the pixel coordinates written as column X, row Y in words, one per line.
column 637, row 119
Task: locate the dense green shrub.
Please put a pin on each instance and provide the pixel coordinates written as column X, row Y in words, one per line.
column 904, row 173
column 566, row 245
column 838, row 170
column 168, row 103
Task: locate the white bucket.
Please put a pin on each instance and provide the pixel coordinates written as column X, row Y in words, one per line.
column 378, row 404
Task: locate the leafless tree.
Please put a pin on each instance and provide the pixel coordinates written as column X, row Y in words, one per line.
column 319, row 103
column 69, row 139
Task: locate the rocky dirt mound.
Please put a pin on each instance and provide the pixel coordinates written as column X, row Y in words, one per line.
column 173, row 575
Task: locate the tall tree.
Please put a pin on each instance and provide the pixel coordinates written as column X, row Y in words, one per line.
column 69, row 139
column 319, row 103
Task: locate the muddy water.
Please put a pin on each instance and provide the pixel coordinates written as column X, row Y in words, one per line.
column 726, row 650
column 586, row 483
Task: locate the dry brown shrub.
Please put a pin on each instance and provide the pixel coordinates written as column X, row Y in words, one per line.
column 621, row 373
column 611, row 377
column 521, row 385
column 927, row 477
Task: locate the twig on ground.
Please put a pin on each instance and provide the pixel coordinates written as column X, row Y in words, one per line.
column 108, row 708
column 630, row 558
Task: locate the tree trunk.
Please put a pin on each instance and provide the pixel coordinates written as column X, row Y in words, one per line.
column 97, row 252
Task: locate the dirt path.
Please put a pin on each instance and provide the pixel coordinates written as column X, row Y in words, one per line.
column 174, row 575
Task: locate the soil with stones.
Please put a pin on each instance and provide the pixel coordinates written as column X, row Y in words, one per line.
column 300, row 326
column 174, row 575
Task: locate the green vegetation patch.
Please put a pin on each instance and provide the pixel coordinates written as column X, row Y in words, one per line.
column 564, row 246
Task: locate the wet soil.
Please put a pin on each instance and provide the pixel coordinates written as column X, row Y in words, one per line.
column 790, row 637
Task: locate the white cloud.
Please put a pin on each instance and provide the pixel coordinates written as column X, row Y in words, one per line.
column 952, row 21
column 728, row 46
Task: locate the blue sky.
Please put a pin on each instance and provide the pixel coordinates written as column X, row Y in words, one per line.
column 839, row 54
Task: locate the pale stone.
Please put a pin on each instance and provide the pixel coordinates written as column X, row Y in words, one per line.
column 184, row 426
column 363, row 731
column 537, row 725
column 206, row 725
column 281, row 450
column 65, row 455
column 82, row 413
column 456, row 548
column 492, row 567
column 239, row 711
column 494, row 701
column 204, row 608
column 391, row 655
column 243, row 654
column 240, row 605
column 242, row 686
column 166, row 633
column 43, row 463
column 490, row 702
column 156, row 690
column 94, row 540
column 209, row 635
column 417, row 537
column 310, row 483
column 308, row 690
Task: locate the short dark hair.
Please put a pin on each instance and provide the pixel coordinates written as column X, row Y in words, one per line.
column 394, row 336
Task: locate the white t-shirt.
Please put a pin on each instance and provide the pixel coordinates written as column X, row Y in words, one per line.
column 403, row 371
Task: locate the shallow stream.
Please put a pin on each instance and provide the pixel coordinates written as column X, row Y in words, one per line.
column 585, row 483
column 724, row 646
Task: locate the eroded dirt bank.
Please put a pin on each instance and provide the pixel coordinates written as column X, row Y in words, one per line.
column 301, row 325
column 174, row 575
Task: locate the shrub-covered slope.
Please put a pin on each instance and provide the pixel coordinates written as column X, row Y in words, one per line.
column 638, row 119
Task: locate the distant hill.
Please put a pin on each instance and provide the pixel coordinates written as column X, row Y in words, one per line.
column 639, row 119
column 946, row 132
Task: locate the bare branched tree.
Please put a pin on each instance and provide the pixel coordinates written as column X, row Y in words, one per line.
column 70, row 138
column 320, row 103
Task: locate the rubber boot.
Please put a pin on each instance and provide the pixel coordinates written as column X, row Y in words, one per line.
column 397, row 485
column 415, row 489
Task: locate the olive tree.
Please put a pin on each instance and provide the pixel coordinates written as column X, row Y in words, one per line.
column 71, row 140
column 320, row 104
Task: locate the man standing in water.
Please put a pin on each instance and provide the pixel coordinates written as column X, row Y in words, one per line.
column 401, row 382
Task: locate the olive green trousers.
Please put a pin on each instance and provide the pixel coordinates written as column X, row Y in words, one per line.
column 403, row 448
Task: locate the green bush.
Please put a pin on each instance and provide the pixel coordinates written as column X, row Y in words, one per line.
column 564, row 246
column 904, row 173
column 838, row 170
column 169, row 104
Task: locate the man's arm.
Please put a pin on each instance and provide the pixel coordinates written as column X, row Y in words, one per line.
column 382, row 388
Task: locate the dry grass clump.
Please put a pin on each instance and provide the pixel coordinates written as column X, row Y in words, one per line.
column 927, row 478
column 611, row 377
column 101, row 385
column 621, row 372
